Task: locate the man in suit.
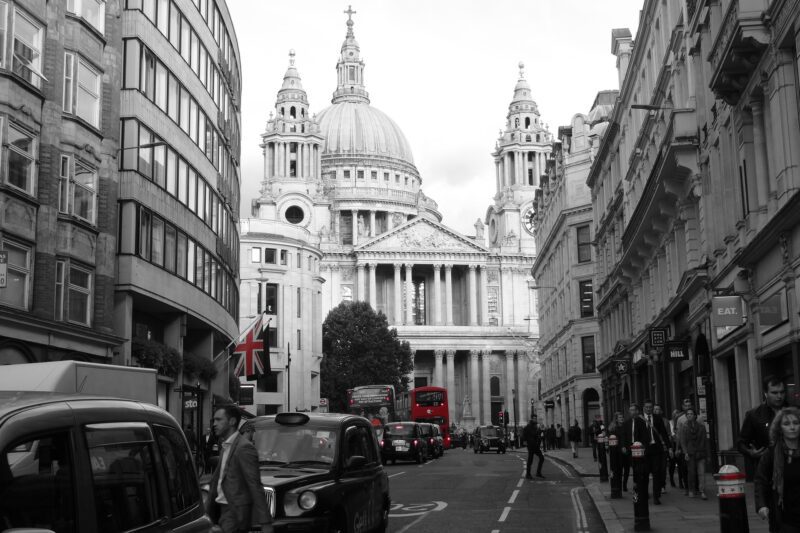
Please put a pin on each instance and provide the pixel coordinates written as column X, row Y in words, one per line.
column 633, row 430
column 656, row 444
column 533, row 439
column 236, row 499
column 754, row 435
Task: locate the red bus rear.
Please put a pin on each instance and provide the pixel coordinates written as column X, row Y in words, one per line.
column 429, row 404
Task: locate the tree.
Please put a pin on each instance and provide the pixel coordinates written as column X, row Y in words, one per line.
column 360, row 349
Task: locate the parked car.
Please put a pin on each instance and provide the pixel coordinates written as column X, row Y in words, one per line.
column 486, row 438
column 429, row 434
column 321, row 472
column 438, row 439
column 403, row 440
column 92, row 464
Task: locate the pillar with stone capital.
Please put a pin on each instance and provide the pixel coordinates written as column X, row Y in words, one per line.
column 373, row 286
column 437, row 368
column 398, row 295
column 510, row 381
column 486, row 392
column 355, row 226
column 448, row 289
column 522, row 392
column 451, row 383
column 484, row 314
column 409, row 295
column 760, row 153
column 372, row 232
column 474, row 389
column 437, row 295
column 360, row 281
column 473, row 307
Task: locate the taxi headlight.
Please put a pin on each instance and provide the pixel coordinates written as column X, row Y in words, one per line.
column 307, row 500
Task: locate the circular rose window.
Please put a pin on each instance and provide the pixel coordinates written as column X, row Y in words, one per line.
column 295, row 215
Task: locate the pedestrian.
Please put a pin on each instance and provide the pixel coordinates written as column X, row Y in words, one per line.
column 551, row 437
column 559, row 436
column 754, row 435
column 693, row 443
column 211, row 446
column 676, row 459
column 236, row 498
column 657, row 410
column 574, row 435
column 777, row 480
column 617, row 428
column 633, row 430
column 656, row 444
column 532, row 434
column 680, row 423
column 593, row 431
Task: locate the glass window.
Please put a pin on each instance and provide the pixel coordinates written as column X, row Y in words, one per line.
column 169, row 247
column 587, row 349
column 185, row 32
column 63, row 183
column 92, row 11
column 190, row 257
column 586, row 298
column 184, row 114
column 172, row 172
column 132, row 55
column 269, row 255
column 21, row 157
column 79, row 292
column 172, row 98
column 27, row 53
column 181, row 255
column 192, row 190
column 125, row 484
column 144, row 234
column 69, row 83
column 163, row 17
column 284, row 255
column 584, row 244
column 199, row 266
column 157, row 250
column 38, row 489
column 84, row 192
column 19, row 273
column 174, row 26
column 159, row 164
column 271, row 307
column 88, row 97
column 161, row 86
column 183, row 180
column 145, row 150
column 255, row 255
column 3, row 30
column 182, row 486
column 58, row 301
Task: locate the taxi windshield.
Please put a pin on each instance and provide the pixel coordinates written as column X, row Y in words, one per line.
column 291, row 446
column 489, row 432
column 398, row 430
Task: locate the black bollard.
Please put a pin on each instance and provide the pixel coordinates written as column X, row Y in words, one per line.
column 732, row 500
column 641, row 511
column 615, row 458
column 601, row 457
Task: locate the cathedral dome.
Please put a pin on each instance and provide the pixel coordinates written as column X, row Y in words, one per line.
column 354, row 128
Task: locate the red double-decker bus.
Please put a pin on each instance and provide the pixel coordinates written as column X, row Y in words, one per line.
column 429, row 404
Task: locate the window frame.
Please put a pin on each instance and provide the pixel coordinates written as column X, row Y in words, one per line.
column 80, row 12
column 88, row 291
column 584, row 247
column 32, row 158
column 25, row 270
column 68, row 185
column 582, row 284
column 35, row 69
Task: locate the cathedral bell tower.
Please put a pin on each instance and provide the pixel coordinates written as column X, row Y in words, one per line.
column 520, row 157
column 291, row 145
column 350, row 69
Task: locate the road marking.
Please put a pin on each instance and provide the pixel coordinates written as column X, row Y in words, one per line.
column 416, row 509
column 520, row 482
column 580, row 514
column 414, row 523
column 562, row 468
column 504, row 515
column 397, row 474
column 513, row 497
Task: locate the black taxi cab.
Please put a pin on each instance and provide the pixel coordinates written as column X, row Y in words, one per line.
column 321, row 472
column 84, row 464
column 486, row 438
column 404, row 441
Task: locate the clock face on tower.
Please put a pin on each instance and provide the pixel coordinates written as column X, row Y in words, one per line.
column 527, row 220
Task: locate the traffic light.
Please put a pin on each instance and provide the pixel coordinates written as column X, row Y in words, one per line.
column 500, row 417
column 505, row 417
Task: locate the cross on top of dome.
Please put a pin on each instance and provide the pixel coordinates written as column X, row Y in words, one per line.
column 350, row 22
column 291, row 57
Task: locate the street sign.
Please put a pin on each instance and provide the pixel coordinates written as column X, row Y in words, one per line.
column 658, row 337
column 3, row 268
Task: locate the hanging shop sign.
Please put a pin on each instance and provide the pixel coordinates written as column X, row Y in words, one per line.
column 726, row 311
column 658, row 337
column 770, row 311
column 246, row 394
column 638, row 355
column 677, row 351
column 549, row 404
column 621, row 366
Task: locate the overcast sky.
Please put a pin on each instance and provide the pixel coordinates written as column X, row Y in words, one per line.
column 443, row 70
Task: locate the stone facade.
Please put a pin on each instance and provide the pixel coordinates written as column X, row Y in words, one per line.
column 353, row 193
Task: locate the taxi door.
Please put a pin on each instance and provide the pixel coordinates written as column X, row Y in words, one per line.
column 361, row 479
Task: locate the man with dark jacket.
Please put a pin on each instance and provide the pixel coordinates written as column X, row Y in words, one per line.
column 754, row 435
column 236, row 497
column 656, row 446
column 532, row 436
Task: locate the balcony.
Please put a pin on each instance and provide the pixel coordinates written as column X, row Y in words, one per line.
column 738, row 47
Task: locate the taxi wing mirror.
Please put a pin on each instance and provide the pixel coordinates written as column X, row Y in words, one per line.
column 356, row 461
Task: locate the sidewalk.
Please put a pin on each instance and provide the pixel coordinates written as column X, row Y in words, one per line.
column 677, row 512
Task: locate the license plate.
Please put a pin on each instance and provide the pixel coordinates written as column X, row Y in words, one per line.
column 401, row 448
column 399, row 443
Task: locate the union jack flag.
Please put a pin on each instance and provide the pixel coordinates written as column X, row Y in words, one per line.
column 252, row 352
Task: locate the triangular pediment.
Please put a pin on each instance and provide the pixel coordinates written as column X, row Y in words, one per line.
column 420, row 234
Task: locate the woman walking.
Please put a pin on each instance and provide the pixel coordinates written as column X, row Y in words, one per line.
column 777, row 481
column 574, row 436
column 616, row 428
column 676, row 461
column 693, row 444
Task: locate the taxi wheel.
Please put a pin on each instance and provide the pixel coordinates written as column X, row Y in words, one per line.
column 384, row 525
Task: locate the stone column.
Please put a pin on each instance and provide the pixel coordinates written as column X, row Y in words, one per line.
column 522, row 391
column 409, row 295
column 373, row 286
column 362, row 290
column 448, row 289
column 474, row 390
column 510, row 382
column 411, row 374
column 486, row 402
column 398, row 295
column 437, row 368
column 484, row 315
column 355, row 226
column 451, row 383
column 437, row 295
column 473, row 308
column 760, row 150
column 497, row 175
column 372, row 223
column 286, row 159
column 389, row 220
